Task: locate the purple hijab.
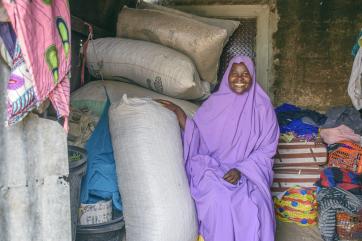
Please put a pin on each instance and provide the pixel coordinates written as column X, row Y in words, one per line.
column 233, row 131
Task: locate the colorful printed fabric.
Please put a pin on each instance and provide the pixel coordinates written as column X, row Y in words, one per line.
column 347, row 180
column 346, row 155
column 21, row 95
column 331, row 200
column 43, row 31
column 298, row 205
column 357, row 45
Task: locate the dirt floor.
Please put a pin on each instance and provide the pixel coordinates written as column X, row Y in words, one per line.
column 294, row 232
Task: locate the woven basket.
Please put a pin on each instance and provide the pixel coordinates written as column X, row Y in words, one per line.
column 349, row 227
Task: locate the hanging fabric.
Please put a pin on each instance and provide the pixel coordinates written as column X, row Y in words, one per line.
column 43, row 31
column 354, row 84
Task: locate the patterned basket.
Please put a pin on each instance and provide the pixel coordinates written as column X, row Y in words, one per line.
column 349, row 227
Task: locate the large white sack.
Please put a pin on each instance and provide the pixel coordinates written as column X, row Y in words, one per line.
column 202, row 42
column 151, row 175
column 93, row 96
column 229, row 25
column 150, row 65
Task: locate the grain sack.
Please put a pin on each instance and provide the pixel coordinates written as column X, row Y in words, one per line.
column 150, row 65
column 229, row 25
column 202, row 42
column 93, row 96
column 151, row 175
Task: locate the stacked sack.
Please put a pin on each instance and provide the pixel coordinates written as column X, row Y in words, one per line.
column 300, row 152
column 158, row 53
column 167, row 51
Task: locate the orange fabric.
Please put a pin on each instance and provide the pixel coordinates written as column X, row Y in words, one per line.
column 346, row 155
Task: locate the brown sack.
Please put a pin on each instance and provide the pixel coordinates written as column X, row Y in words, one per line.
column 229, row 25
column 203, row 43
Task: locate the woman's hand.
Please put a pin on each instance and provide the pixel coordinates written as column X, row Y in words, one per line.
column 232, row 176
column 180, row 114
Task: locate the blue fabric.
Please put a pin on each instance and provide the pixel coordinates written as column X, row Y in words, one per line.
column 356, row 46
column 300, row 128
column 286, row 113
column 100, row 181
column 287, row 108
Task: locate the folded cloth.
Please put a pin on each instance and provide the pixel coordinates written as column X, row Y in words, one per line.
column 348, row 116
column 299, row 128
column 345, row 155
column 338, row 134
column 336, row 177
column 331, row 200
column 286, row 113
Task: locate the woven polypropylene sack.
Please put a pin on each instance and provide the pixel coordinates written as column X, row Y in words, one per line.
column 155, row 194
column 150, row 65
column 202, row 42
column 93, row 96
column 229, row 25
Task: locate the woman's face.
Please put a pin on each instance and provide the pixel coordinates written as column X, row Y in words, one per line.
column 239, row 78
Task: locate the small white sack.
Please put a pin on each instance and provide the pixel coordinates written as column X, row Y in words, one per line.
column 155, row 193
column 96, row 213
column 150, row 65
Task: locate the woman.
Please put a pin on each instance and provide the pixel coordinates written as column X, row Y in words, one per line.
column 228, row 148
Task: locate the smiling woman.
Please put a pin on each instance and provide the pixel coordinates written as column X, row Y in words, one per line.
column 229, row 145
column 239, row 78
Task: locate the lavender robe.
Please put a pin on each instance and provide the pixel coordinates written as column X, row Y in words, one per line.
column 233, row 131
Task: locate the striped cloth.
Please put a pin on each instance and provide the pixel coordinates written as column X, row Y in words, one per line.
column 330, row 200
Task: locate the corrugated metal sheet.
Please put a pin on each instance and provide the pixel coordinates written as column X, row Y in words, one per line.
column 34, row 188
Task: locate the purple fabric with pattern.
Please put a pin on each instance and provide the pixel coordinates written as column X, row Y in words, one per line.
column 8, row 36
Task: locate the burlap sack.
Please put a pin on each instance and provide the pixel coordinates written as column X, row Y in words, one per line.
column 201, row 42
column 229, row 25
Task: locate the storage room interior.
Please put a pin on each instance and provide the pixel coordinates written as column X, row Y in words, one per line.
column 88, row 151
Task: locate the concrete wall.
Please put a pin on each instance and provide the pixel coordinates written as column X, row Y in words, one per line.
column 312, row 48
